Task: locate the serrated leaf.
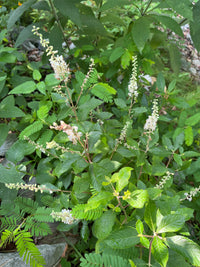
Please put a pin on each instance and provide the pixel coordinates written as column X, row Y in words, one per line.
column 169, row 23
column 42, row 112
column 186, row 247
column 116, row 53
column 190, row 154
column 10, row 175
column 120, row 103
column 167, row 143
column 3, row 132
column 138, row 198
column 195, row 26
column 139, row 227
column 37, row 75
column 41, row 87
column 193, row 120
column 24, row 88
column 8, row 110
column 150, row 215
column 141, row 25
column 188, row 136
column 171, row 223
column 103, row 91
column 178, row 159
column 69, row 9
column 121, row 178
column 18, row 150
column 123, row 238
column 16, row 14
column 183, row 7
column 126, row 59
column 160, row 251
column 160, row 82
column 31, row 129
column 102, row 227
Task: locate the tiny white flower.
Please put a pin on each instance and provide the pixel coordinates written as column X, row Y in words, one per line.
column 151, row 122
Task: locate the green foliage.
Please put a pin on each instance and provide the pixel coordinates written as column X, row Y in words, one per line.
column 103, row 260
column 27, row 249
column 124, row 183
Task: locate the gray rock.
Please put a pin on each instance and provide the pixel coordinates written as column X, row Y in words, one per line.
column 193, row 71
column 196, row 62
column 51, row 254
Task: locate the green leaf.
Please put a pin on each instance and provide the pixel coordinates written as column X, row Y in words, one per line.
column 188, row 136
column 139, row 227
column 68, row 9
column 24, row 35
column 171, row 223
column 138, row 198
column 85, row 231
column 193, row 120
column 186, row 247
column 10, row 175
column 171, row 85
column 167, row 143
column 31, row 129
column 7, row 58
column 42, row 112
column 68, row 160
column 141, row 25
column 120, row 103
column 175, row 58
column 123, row 238
column 160, row 82
column 24, row 88
column 18, row 150
column 195, row 26
column 103, row 91
column 126, row 59
column 17, row 13
column 2, row 81
column 188, row 213
column 178, row 159
column 8, row 110
column 3, row 132
column 114, row 3
column 169, row 23
column 190, row 154
column 36, row 75
column 102, row 227
column 116, row 53
column 183, row 7
column 102, row 198
column 150, row 215
column 121, row 178
column 160, row 251
column 41, row 87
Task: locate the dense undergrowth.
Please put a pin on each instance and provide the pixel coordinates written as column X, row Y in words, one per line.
column 103, row 138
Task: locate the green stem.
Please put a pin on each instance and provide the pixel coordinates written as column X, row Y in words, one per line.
column 58, row 21
column 146, row 8
column 150, row 246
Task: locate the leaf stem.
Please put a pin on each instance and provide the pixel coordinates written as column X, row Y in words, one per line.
column 58, row 21
column 146, row 8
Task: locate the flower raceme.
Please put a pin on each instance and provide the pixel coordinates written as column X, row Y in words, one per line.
column 132, row 86
column 61, row 69
column 71, row 131
column 151, row 122
column 65, row 216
